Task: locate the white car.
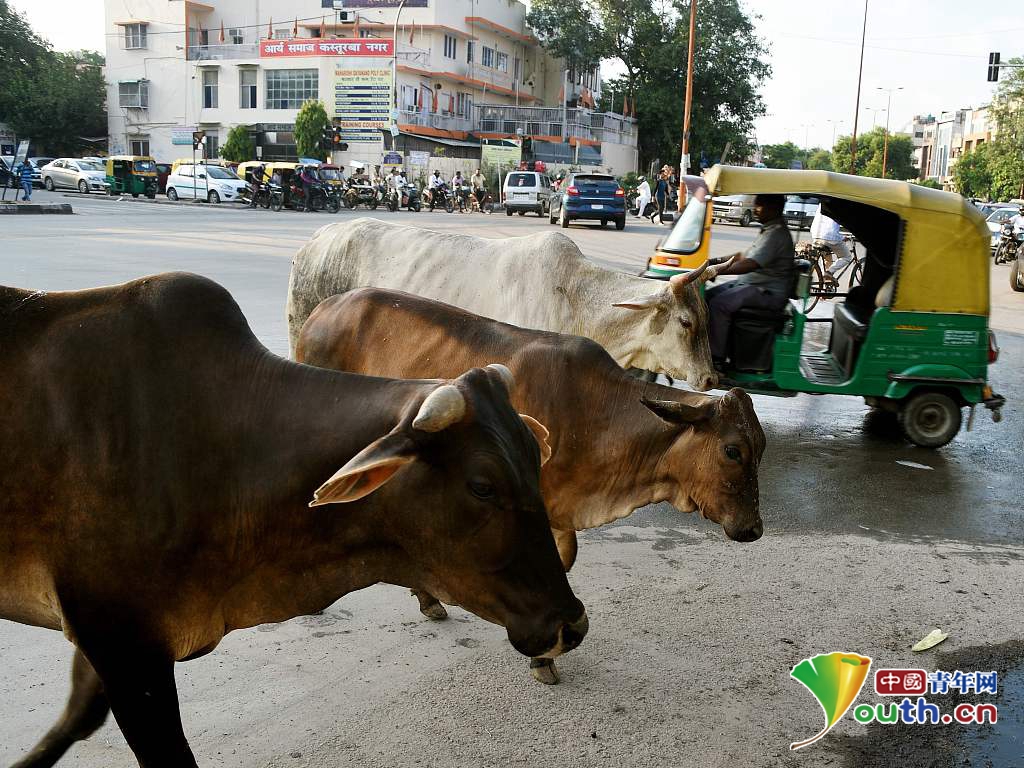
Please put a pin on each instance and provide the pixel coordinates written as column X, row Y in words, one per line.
column 527, row 191
column 205, row 182
column 84, row 175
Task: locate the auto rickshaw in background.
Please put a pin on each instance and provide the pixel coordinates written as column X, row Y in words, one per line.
column 912, row 339
column 331, row 176
column 132, row 175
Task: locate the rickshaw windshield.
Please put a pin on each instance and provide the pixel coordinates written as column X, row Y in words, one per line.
column 688, row 232
column 329, row 174
column 144, row 166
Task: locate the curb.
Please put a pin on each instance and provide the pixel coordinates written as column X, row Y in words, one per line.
column 19, row 208
column 157, row 201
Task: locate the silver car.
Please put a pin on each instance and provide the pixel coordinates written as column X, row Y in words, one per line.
column 84, row 175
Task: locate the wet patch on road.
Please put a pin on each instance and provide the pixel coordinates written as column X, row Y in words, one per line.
column 951, row 746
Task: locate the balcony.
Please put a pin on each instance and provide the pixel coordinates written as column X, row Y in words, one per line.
column 547, row 121
column 224, row 52
column 435, row 120
column 413, row 56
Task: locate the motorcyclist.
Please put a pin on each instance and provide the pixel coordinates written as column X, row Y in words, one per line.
column 256, row 176
column 479, row 184
column 1018, row 220
column 306, row 181
column 437, row 185
column 457, row 183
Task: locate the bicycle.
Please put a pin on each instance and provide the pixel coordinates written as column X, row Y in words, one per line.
column 820, row 256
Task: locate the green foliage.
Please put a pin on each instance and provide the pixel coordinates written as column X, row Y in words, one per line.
column 651, row 43
column 783, row 155
column 972, row 175
column 629, row 181
column 870, row 151
column 309, row 128
column 55, row 99
column 1006, row 152
column 239, row 147
column 930, row 184
column 819, row 160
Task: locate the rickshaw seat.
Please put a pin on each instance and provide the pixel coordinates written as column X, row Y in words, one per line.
column 752, row 333
column 850, row 323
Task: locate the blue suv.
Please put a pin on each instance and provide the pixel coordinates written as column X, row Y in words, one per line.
column 594, row 196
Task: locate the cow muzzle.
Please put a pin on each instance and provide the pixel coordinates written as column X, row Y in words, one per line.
column 745, row 534
column 569, row 636
column 546, row 645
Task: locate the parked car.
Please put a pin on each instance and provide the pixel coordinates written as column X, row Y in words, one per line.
column 592, row 196
column 70, row 173
column 37, row 164
column 204, row 182
column 163, row 172
column 995, row 220
column 527, row 191
column 6, row 164
column 738, row 209
column 799, row 211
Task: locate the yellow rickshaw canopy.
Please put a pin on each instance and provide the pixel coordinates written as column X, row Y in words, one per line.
column 943, row 265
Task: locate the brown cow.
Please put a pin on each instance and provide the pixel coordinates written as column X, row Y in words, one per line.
column 156, row 470
column 618, row 443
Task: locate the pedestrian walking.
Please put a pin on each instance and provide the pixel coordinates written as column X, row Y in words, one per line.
column 643, row 196
column 661, row 196
column 25, row 174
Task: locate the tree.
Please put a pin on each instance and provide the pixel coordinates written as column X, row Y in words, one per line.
column 649, row 38
column 782, row 155
column 819, row 160
column 60, row 103
column 870, row 151
column 238, row 148
column 972, row 175
column 309, row 128
column 1006, row 152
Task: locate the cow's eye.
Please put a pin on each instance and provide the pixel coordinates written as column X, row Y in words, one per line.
column 733, row 453
column 685, row 322
column 482, row 489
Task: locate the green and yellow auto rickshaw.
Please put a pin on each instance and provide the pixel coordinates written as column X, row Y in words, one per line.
column 132, row 175
column 912, row 338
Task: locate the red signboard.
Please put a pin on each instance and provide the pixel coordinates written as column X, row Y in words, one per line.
column 357, row 46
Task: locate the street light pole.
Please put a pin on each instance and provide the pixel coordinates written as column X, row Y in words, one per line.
column 565, row 99
column 394, row 59
column 888, row 114
column 685, row 156
column 860, row 75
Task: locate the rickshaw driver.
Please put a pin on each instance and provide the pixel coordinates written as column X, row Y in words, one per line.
column 766, row 274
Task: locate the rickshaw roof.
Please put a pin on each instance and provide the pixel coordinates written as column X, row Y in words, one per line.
column 944, row 261
column 131, row 158
column 281, row 166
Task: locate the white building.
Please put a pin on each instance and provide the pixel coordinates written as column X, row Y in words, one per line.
column 465, row 70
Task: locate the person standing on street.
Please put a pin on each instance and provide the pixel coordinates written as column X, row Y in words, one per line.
column 661, row 196
column 825, row 232
column 25, row 175
column 306, row 180
column 643, row 196
column 479, row 184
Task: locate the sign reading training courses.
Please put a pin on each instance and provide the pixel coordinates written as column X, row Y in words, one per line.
column 362, row 101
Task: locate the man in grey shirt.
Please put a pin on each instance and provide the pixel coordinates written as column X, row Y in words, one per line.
column 765, row 272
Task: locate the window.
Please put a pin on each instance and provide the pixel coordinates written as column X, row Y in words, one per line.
column 139, row 146
column 291, row 88
column 503, row 62
column 236, row 36
column 204, row 37
column 185, row 170
column 133, row 94
column 134, row 36
column 210, row 80
column 464, row 105
column 408, row 102
column 212, row 145
column 283, row 34
column 487, row 58
column 518, row 71
column 449, row 47
column 247, row 88
column 470, row 50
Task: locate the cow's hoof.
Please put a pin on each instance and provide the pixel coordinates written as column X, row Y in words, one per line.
column 429, row 606
column 543, row 671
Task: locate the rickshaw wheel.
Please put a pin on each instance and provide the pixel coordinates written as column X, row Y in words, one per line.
column 930, row 419
column 817, row 286
column 1017, row 274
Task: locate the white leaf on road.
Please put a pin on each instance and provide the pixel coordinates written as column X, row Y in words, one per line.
column 913, row 464
column 930, row 640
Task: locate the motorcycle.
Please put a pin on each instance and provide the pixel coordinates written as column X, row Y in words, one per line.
column 439, row 197
column 410, row 198
column 462, row 195
column 321, row 197
column 482, row 204
column 361, row 193
column 1010, row 242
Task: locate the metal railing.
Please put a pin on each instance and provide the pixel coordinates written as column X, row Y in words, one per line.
column 223, row 52
column 547, row 121
column 408, row 54
column 435, row 120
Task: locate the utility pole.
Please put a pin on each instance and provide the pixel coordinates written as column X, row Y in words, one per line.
column 888, row 114
column 394, row 61
column 684, row 160
column 860, row 76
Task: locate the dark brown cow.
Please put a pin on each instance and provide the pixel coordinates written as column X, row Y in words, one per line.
column 156, row 471
column 617, row 443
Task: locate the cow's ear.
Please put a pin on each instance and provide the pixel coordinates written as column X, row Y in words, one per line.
column 647, row 302
column 677, row 413
column 541, row 433
column 367, row 471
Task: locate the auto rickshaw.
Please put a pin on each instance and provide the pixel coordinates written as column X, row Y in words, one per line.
column 912, row 339
column 331, row 176
column 132, row 175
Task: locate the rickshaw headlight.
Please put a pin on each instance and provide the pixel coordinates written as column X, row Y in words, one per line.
column 993, row 348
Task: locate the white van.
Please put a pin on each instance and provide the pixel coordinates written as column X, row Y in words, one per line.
column 527, row 191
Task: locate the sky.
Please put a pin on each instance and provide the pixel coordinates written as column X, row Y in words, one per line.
column 937, row 50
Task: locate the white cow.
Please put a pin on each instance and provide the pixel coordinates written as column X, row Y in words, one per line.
column 541, row 281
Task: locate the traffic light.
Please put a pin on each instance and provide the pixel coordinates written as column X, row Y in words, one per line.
column 198, row 139
column 327, row 138
column 993, row 67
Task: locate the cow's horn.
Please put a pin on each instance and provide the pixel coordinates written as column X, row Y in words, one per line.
column 679, row 282
column 442, row 408
column 505, row 373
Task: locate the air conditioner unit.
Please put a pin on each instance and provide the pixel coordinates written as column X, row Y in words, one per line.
column 346, row 17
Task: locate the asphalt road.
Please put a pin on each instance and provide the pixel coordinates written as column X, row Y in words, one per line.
column 869, row 544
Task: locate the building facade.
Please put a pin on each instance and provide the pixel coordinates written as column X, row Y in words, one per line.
column 463, row 70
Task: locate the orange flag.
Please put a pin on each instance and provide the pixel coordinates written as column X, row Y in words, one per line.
column 323, row 27
column 295, row 29
column 357, row 26
column 412, row 33
column 222, row 31
column 270, row 29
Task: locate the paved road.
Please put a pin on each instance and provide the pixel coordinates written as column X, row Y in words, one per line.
column 869, row 544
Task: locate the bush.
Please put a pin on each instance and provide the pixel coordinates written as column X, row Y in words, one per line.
column 239, row 147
